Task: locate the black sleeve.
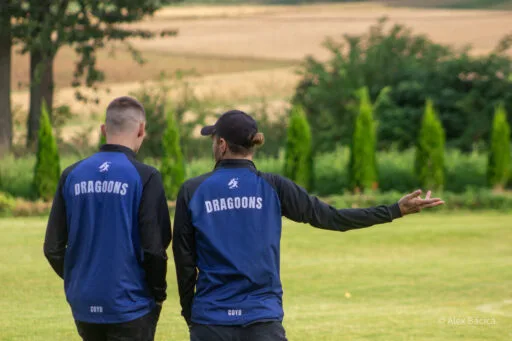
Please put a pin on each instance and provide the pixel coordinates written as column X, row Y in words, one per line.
column 184, row 250
column 155, row 235
column 298, row 205
column 56, row 238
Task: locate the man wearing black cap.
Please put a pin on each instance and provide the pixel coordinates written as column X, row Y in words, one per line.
column 227, row 232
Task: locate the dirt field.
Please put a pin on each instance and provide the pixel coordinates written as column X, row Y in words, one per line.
column 247, row 51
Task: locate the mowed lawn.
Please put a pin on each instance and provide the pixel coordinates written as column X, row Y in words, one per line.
column 428, row 277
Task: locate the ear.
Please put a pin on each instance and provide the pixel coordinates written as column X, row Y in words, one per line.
column 104, row 130
column 142, row 130
column 223, row 144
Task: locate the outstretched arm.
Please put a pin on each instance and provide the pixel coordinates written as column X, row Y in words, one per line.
column 299, row 206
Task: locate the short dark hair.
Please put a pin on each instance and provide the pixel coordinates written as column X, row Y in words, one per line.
column 122, row 112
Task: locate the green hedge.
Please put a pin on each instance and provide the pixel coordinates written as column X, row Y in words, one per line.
column 7, row 204
column 463, row 171
column 17, row 174
column 470, row 200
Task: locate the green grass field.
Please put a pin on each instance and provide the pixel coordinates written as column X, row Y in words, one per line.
column 427, row 277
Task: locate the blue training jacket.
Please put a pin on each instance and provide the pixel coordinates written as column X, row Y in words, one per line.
column 107, row 234
column 227, row 232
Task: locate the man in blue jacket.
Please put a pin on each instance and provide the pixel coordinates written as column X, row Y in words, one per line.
column 108, row 232
column 227, row 232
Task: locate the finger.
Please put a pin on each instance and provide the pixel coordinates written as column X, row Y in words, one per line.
column 439, row 203
column 428, row 195
column 429, row 201
column 414, row 194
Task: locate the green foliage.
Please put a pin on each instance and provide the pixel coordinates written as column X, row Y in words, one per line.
column 102, row 141
column 429, row 162
column 396, row 173
column 465, row 87
column 299, row 155
column 363, row 163
column 481, row 199
column 475, row 4
column 47, row 168
column 173, row 166
column 155, row 100
column 19, row 183
column 499, row 154
column 7, row 204
column 77, row 24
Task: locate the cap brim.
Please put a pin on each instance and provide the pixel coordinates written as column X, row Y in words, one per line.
column 208, row 130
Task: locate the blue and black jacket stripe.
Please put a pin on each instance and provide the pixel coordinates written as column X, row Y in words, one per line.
column 107, row 236
column 226, row 245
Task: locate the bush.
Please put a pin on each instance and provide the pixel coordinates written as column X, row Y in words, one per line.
column 499, row 154
column 362, row 166
column 189, row 111
column 154, row 102
column 102, row 141
column 47, row 169
column 299, row 155
column 463, row 171
column 465, row 87
column 17, row 179
column 470, row 200
column 173, row 167
column 7, row 204
column 429, row 162
column 274, row 124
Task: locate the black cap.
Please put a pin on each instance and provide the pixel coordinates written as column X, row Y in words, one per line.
column 234, row 126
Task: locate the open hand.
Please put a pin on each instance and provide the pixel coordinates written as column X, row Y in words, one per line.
column 413, row 203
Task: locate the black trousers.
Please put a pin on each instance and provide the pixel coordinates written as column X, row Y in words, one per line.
column 141, row 329
column 264, row 331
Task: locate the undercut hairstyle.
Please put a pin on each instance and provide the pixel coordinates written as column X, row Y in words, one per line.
column 124, row 114
column 255, row 141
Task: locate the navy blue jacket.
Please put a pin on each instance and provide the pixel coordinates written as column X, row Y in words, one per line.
column 107, row 236
column 227, row 232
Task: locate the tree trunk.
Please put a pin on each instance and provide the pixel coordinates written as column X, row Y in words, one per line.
column 41, row 87
column 5, row 84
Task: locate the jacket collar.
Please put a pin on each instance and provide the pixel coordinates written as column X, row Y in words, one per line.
column 235, row 163
column 119, row 149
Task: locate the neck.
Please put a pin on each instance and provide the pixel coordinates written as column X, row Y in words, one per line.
column 230, row 156
column 121, row 141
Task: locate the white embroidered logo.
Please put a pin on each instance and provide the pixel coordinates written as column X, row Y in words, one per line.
column 233, row 183
column 104, row 167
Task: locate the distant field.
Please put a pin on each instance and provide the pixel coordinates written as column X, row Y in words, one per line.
column 429, row 277
column 250, row 45
column 119, row 67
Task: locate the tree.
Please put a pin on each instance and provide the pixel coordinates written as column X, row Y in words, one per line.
column 499, row 155
column 363, row 163
column 5, row 79
column 44, row 26
column 464, row 85
column 173, row 166
column 47, row 169
column 299, row 154
column 429, row 163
